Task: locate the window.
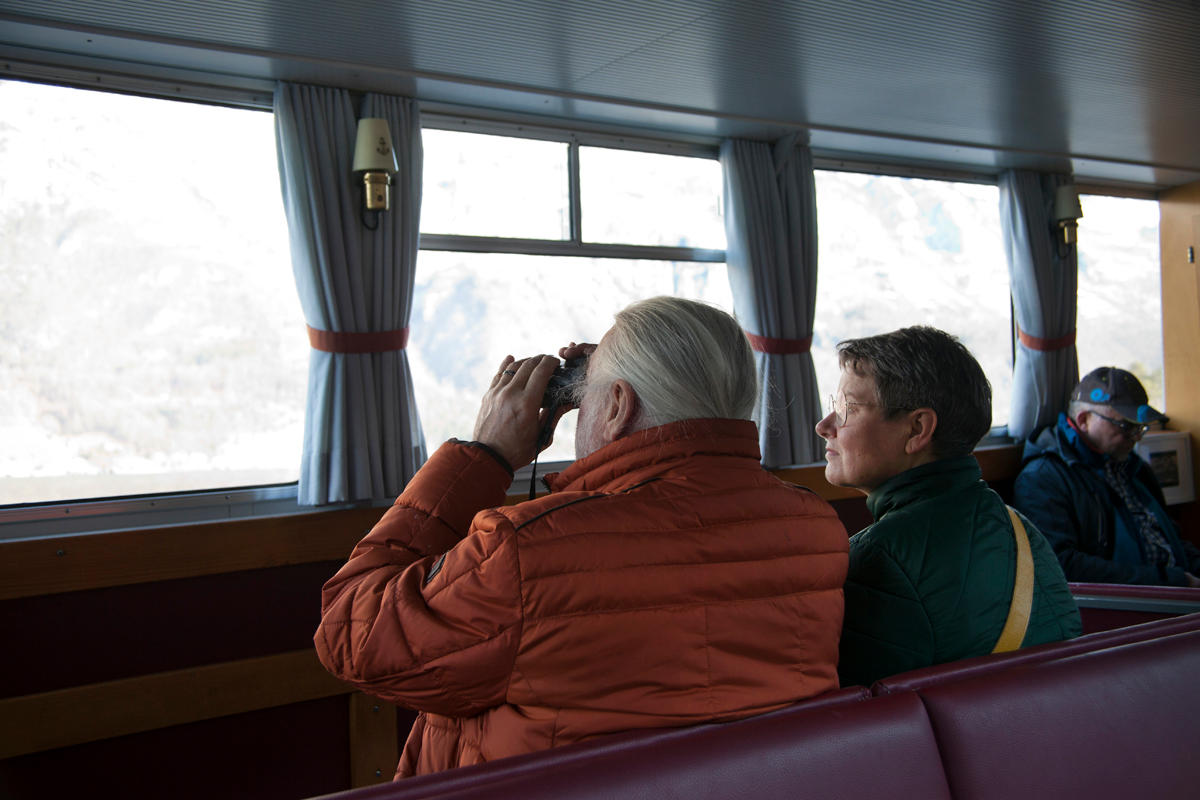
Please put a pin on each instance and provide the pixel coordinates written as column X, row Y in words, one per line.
column 650, row 199
column 644, row 220
column 152, row 337
column 896, row 252
column 1119, row 318
column 514, row 188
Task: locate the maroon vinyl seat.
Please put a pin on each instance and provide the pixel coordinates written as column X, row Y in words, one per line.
column 983, row 665
column 1182, row 596
column 814, row 753
column 1115, row 605
column 1120, row 722
column 811, row 750
column 1113, row 714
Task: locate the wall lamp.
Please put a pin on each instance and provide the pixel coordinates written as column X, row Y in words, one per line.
column 1067, row 212
column 375, row 160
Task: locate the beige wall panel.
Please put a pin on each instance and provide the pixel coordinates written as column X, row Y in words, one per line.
column 1179, row 230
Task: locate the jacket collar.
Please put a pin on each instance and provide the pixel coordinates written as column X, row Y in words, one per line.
column 921, row 483
column 1074, row 450
column 1062, row 440
column 647, row 453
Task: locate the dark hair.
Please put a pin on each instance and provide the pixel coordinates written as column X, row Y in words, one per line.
column 923, row 367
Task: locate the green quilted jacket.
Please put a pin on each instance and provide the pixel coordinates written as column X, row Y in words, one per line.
column 932, row 579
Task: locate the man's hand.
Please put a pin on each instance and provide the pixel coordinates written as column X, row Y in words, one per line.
column 1192, row 579
column 570, row 401
column 510, row 419
column 574, row 350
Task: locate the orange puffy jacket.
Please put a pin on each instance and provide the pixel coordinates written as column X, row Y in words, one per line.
column 668, row 579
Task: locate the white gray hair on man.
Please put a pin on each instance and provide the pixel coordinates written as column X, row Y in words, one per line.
column 684, row 360
column 1075, row 406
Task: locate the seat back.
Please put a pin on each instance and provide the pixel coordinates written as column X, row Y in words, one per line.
column 984, row 665
column 1114, row 723
column 811, row 753
column 1103, row 606
column 1115, row 716
column 805, row 751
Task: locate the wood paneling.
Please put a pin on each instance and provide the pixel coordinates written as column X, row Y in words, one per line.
column 75, row 638
column 998, row 463
column 812, row 476
column 1179, row 229
column 90, row 561
column 66, row 717
column 374, row 749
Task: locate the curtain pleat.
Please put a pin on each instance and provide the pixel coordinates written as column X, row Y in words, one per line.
column 394, row 253
column 771, row 254
column 362, row 435
column 1043, row 279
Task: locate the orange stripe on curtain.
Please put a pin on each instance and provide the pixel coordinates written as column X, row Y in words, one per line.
column 777, row 347
column 344, row 342
column 1045, row 345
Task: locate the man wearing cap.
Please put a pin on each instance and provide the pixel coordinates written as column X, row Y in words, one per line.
column 1094, row 499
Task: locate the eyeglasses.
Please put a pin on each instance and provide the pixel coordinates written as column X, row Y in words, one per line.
column 840, row 406
column 1130, row 429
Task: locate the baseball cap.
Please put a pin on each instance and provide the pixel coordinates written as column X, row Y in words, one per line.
column 1110, row 386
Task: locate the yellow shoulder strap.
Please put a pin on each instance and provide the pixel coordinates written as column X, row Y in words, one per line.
column 1022, row 598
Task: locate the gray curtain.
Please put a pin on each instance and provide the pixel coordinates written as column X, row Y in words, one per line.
column 362, row 435
column 1044, row 275
column 771, row 228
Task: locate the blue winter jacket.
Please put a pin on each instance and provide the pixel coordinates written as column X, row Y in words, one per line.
column 1061, row 488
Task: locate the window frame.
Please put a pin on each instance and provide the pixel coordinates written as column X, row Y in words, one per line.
column 574, row 245
column 89, row 515
column 997, row 435
column 86, row 515
column 49, row 519
column 1128, row 194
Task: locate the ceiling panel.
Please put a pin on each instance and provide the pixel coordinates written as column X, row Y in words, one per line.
column 1111, row 87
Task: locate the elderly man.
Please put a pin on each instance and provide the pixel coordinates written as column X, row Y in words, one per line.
column 667, row 579
column 937, row 577
column 1096, row 501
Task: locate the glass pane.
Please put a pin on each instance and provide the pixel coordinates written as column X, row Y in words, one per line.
column 896, row 252
column 1120, row 290
column 481, row 185
column 153, row 339
column 646, row 198
column 470, row 310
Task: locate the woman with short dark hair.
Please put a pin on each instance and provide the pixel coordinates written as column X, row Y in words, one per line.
column 932, row 580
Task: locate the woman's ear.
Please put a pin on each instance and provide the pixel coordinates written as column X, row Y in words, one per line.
column 923, row 422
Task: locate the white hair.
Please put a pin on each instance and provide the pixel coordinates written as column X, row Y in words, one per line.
column 1075, row 406
column 684, row 360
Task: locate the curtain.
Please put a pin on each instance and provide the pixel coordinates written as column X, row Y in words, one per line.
column 771, row 254
column 362, row 435
column 1043, row 274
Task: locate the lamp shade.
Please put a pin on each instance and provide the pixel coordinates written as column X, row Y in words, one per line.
column 373, row 147
column 1066, row 203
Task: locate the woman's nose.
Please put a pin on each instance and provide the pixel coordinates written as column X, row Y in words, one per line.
column 825, row 428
